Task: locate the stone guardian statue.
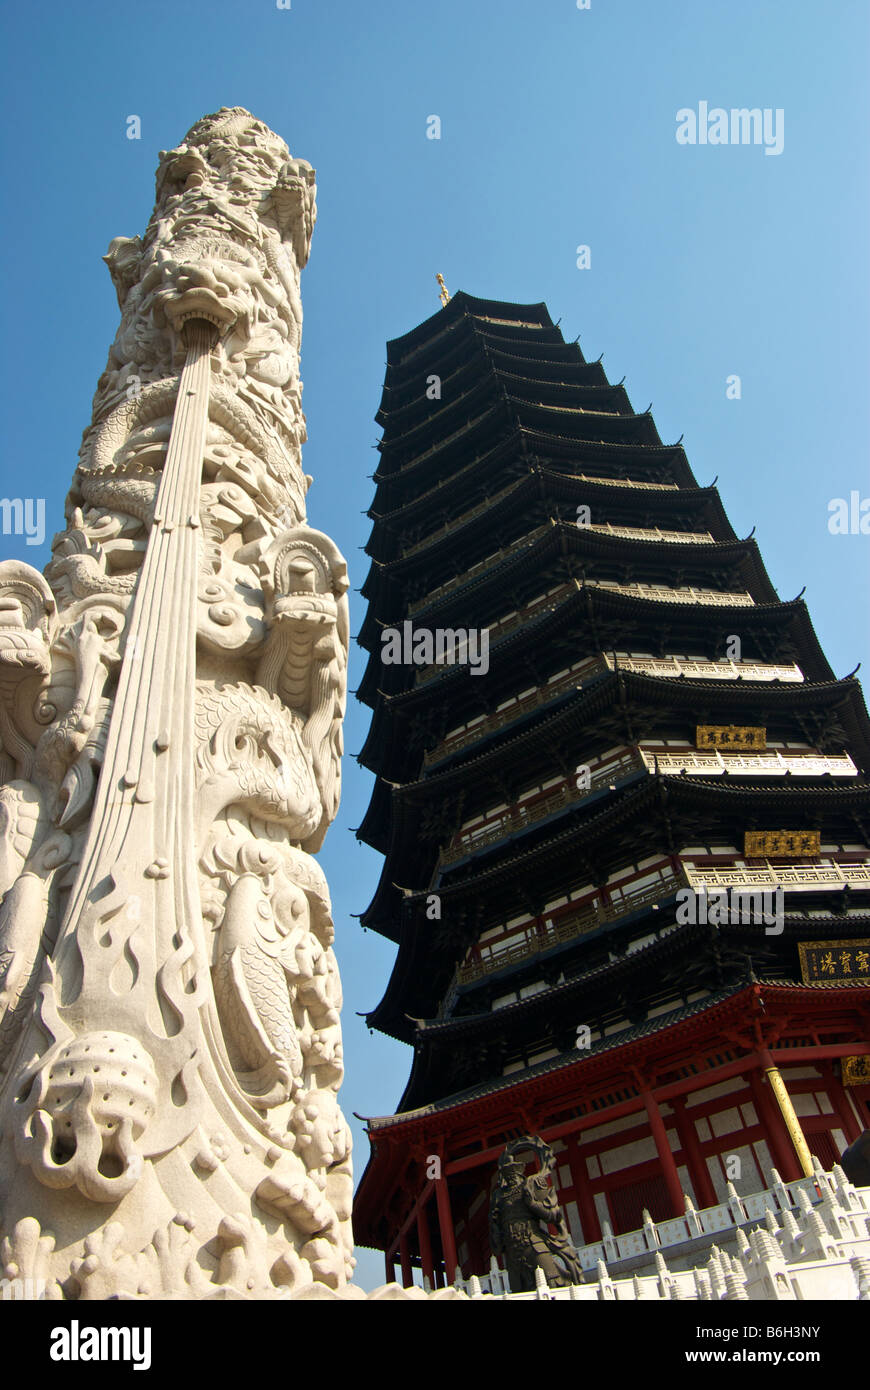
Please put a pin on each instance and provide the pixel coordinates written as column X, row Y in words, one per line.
column 527, row 1227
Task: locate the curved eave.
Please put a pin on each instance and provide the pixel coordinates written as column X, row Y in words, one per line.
column 385, row 751
column 374, row 827
column 543, row 443
column 382, row 683
column 583, row 705
column 696, row 559
column 700, row 506
column 545, row 358
column 536, row 445
column 703, row 803
column 413, row 423
column 566, row 1080
column 647, row 613
column 459, row 305
column 425, row 1069
column 664, row 811
column 526, row 1016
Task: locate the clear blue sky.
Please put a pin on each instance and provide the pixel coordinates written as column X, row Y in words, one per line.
column 558, row 128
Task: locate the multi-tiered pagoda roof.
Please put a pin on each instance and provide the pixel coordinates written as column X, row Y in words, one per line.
column 546, row 817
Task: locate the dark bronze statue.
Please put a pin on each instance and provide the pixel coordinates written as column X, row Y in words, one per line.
column 855, row 1161
column 523, row 1213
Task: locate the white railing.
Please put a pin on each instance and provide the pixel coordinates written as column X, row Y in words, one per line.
column 687, row 594
column 651, row 533
column 573, row 409
column 825, row 1189
column 706, row 670
column 772, row 764
column 796, row 878
column 668, row 666
column 625, row 482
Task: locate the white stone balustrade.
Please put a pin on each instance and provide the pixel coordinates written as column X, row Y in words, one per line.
column 770, row 764
column 810, row 1240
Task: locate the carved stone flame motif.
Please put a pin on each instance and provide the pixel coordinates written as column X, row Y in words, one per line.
column 171, row 699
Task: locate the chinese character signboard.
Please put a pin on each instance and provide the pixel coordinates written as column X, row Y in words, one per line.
column 838, row 962
column 735, row 736
column 786, row 844
column 856, row 1071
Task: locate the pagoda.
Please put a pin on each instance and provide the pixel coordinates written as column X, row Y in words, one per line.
column 623, row 804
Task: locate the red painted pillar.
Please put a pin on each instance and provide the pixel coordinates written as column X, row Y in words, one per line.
column 445, row 1225
column 404, row 1256
column 781, row 1149
column 425, row 1240
column 666, row 1158
column 840, row 1101
column 705, row 1192
column 389, row 1267
column 582, row 1195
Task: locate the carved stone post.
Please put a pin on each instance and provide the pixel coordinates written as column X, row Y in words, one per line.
column 171, row 698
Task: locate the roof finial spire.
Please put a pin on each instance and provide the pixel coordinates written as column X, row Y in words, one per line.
column 445, row 297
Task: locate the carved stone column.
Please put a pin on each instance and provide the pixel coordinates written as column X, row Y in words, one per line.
column 171, row 698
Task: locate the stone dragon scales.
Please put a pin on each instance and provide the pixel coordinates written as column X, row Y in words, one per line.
column 171, row 699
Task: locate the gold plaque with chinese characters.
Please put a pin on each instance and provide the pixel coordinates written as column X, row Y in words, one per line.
column 787, row 844
column 856, row 1070
column 736, row 737
column 835, row 962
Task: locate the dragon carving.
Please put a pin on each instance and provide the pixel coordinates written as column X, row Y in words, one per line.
column 170, row 1036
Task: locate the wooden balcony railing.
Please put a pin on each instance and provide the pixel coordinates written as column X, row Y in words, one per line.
column 570, row 680
column 480, row 568
column 567, row 793
column 461, row 520
column 582, row 920
column 596, row 913
column 669, row 666
column 542, row 604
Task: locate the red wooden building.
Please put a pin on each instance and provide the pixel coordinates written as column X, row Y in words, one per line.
column 594, row 722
